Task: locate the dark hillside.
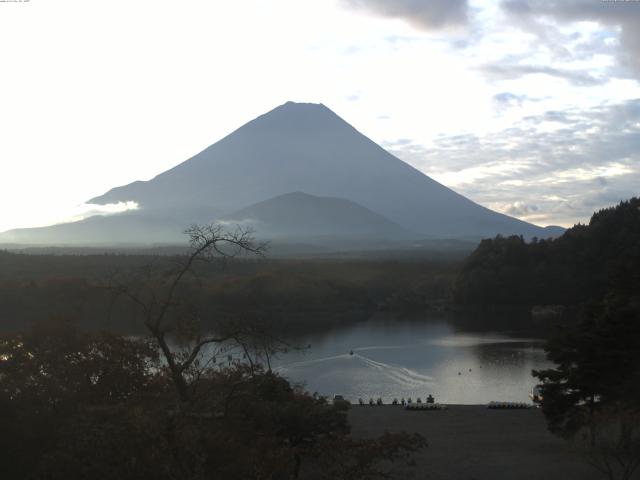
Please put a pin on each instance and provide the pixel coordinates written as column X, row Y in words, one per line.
column 574, row 268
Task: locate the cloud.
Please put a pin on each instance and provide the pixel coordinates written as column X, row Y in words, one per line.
column 513, row 71
column 506, row 100
column 549, row 168
column 425, row 14
column 400, row 142
column 616, row 14
column 86, row 210
column 239, row 223
column 521, row 209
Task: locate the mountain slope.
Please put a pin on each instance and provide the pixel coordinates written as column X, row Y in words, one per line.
column 293, row 148
column 126, row 228
column 299, row 215
column 308, row 148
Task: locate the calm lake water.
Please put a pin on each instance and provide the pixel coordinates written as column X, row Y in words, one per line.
column 395, row 358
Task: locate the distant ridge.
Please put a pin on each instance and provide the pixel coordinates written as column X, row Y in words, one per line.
column 298, row 215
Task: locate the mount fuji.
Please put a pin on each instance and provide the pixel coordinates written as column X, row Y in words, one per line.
column 306, row 172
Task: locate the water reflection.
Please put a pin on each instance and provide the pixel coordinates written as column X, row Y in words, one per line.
column 395, row 358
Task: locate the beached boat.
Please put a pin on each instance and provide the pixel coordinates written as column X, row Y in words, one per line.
column 425, row 406
column 536, row 394
column 508, row 405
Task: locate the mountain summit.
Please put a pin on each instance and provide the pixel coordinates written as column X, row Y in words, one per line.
column 304, row 147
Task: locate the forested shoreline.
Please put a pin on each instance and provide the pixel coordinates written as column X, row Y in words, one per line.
column 302, row 295
column 574, row 268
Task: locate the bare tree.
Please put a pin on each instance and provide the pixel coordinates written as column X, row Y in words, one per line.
column 156, row 296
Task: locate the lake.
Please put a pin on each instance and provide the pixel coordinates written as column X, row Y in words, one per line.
column 407, row 358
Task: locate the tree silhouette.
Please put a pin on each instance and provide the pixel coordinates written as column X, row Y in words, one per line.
column 165, row 311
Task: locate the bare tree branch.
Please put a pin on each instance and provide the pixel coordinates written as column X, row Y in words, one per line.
column 207, row 242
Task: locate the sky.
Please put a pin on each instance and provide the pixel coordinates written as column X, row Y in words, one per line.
column 529, row 107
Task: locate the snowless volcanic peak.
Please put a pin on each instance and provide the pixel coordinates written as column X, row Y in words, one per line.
column 307, row 148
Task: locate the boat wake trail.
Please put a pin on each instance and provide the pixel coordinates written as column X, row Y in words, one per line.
column 305, row 363
column 382, row 347
column 402, row 375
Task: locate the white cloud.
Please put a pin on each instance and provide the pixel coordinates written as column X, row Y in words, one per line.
column 588, row 160
column 33, row 217
column 87, row 210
